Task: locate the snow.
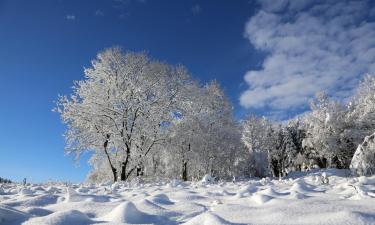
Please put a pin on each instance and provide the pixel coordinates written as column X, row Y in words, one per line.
column 207, row 179
column 301, row 198
column 363, row 160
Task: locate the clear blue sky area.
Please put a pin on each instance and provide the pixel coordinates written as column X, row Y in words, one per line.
column 45, row 45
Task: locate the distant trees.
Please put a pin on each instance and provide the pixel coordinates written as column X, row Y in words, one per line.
column 4, row 181
column 206, row 138
column 326, row 127
column 259, row 137
column 274, row 147
column 327, row 136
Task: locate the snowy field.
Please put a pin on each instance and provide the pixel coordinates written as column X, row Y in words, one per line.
column 295, row 200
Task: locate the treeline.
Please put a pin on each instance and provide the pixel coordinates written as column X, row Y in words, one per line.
column 141, row 117
column 327, row 136
column 4, row 181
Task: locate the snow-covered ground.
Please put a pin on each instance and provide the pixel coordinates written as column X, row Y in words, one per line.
column 300, row 199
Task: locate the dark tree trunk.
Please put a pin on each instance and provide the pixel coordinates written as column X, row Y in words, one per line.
column 322, row 162
column 123, row 171
column 124, row 164
column 184, row 166
column 275, row 168
column 140, row 170
column 184, row 170
column 114, row 170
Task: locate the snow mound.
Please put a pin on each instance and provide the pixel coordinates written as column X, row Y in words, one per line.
column 61, row 218
column 186, row 196
column 301, row 187
column 82, row 190
column 207, row 219
column 150, row 206
column 246, row 191
column 41, row 200
column 366, row 180
column 261, row 198
column 126, row 212
column 52, row 189
column 160, row 199
column 207, row 179
column 36, row 211
column 73, row 196
column 26, row 191
column 11, row 216
column 175, row 183
column 297, row 195
column 271, row 192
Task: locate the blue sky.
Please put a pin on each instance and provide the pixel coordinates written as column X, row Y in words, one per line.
column 270, row 57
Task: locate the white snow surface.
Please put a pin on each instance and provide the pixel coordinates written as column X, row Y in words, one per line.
column 298, row 199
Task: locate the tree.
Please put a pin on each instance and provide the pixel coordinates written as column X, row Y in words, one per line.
column 362, row 109
column 204, row 138
column 122, row 105
column 326, row 133
column 259, row 138
column 5, row 181
column 363, row 162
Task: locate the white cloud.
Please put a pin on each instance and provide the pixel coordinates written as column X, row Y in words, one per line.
column 99, row 13
column 321, row 45
column 70, row 17
column 196, row 9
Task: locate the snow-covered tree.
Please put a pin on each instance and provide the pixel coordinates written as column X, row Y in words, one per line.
column 362, row 109
column 258, row 136
column 327, row 137
column 204, row 138
column 123, row 105
column 363, row 162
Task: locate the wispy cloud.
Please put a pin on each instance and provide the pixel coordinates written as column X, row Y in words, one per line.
column 312, row 46
column 99, row 13
column 196, row 9
column 124, row 7
column 70, row 17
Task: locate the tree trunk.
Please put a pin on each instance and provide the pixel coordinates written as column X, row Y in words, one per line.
column 184, row 170
column 123, row 171
column 184, row 166
column 140, row 170
column 124, row 164
column 114, row 170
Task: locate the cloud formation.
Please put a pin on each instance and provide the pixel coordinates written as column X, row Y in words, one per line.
column 196, row 9
column 312, row 45
column 99, row 13
column 70, row 17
